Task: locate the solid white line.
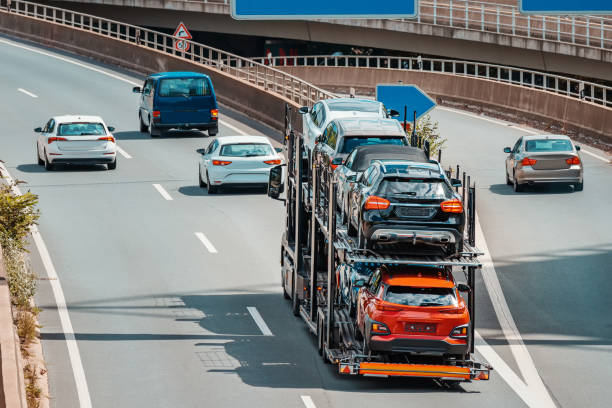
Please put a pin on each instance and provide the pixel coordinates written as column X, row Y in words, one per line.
column 265, row 330
column 123, row 152
column 206, row 242
column 70, row 61
column 162, row 191
column 539, row 393
column 27, row 92
column 308, row 401
column 595, row 155
column 60, row 301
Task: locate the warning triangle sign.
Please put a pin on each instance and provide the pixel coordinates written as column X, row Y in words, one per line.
column 182, row 32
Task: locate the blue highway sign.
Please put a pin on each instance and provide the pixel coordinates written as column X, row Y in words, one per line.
column 312, row 9
column 563, row 7
column 396, row 96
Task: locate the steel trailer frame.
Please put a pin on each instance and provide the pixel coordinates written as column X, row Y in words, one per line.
column 312, row 245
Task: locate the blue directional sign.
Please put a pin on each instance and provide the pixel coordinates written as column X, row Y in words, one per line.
column 336, row 9
column 396, row 96
column 563, row 7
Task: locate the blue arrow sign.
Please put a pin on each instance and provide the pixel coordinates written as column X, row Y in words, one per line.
column 395, row 96
column 563, row 7
column 337, row 9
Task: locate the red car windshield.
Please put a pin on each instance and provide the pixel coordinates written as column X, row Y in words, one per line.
column 410, row 296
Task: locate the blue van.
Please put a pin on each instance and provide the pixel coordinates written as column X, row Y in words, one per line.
column 177, row 100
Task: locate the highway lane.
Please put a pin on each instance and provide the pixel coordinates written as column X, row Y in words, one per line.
column 552, row 249
column 159, row 320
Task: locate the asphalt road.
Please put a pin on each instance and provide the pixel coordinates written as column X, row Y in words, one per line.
column 160, row 321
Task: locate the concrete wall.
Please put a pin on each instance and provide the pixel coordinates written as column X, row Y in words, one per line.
column 407, row 36
column 240, row 95
column 519, row 104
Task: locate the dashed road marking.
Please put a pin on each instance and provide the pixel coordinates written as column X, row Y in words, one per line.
column 123, row 152
column 265, row 330
column 162, row 191
column 308, row 402
column 27, row 92
column 211, row 248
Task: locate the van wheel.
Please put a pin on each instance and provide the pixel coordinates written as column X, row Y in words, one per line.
column 213, row 131
column 142, row 127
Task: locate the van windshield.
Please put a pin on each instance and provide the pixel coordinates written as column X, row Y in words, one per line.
column 184, row 87
column 351, row 142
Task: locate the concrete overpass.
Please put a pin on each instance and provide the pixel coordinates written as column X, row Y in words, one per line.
column 491, row 32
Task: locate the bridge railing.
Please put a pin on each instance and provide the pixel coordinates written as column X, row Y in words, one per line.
column 269, row 78
column 493, row 17
column 587, row 91
column 504, row 17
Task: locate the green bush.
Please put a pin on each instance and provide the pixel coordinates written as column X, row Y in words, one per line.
column 426, row 129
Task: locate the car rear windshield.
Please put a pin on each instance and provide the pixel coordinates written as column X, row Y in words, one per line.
column 360, row 106
column 246, row 150
column 351, row 142
column 548, row 145
column 411, row 296
column 184, row 87
column 417, row 188
column 80, row 129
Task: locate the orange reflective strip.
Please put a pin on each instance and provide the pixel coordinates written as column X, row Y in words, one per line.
column 415, row 370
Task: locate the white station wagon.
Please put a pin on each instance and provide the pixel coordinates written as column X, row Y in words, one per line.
column 74, row 139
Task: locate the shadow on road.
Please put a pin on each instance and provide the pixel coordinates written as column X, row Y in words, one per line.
column 197, row 191
column 173, row 134
column 504, row 189
column 35, row 168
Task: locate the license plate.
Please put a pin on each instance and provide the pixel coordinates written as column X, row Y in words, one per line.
column 420, row 327
column 422, row 212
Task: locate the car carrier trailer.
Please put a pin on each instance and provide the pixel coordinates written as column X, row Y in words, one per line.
column 315, row 243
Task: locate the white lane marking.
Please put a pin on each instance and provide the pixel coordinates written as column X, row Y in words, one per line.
column 60, row 301
column 162, row 191
column 100, row 71
column 265, row 330
column 308, row 402
column 234, row 128
column 27, row 92
column 595, row 155
column 123, row 152
column 206, row 242
column 539, row 395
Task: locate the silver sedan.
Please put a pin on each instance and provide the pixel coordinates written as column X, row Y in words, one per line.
column 544, row 159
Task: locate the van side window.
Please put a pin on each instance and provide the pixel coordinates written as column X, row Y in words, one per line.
column 147, row 87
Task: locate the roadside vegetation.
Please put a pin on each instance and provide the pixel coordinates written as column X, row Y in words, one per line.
column 18, row 214
column 427, row 129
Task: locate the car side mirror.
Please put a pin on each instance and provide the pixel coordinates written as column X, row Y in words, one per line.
column 456, row 182
column 38, row 130
column 201, row 151
column 578, row 148
column 507, row 150
column 136, row 89
column 275, row 182
column 304, row 110
column 393, row 113
column 111, row 128
column 278, row 149
column 462, row 287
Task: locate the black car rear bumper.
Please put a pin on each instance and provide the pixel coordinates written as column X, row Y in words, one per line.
column 399, row 234
column 430, row 347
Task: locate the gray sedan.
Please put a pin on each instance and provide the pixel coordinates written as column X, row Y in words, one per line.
column 544, row 159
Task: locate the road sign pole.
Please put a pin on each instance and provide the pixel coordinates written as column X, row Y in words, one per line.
column 405, row 117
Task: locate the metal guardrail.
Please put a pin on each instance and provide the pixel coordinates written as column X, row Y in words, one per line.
column 269, row 78
column 587, row 91
column 492, row 17
column 496, row 17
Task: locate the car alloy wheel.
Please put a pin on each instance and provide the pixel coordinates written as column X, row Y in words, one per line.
column 517, row 187
column 48, row 165
column 209, row 187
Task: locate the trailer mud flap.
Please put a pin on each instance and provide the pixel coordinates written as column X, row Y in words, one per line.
column 423, row 370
